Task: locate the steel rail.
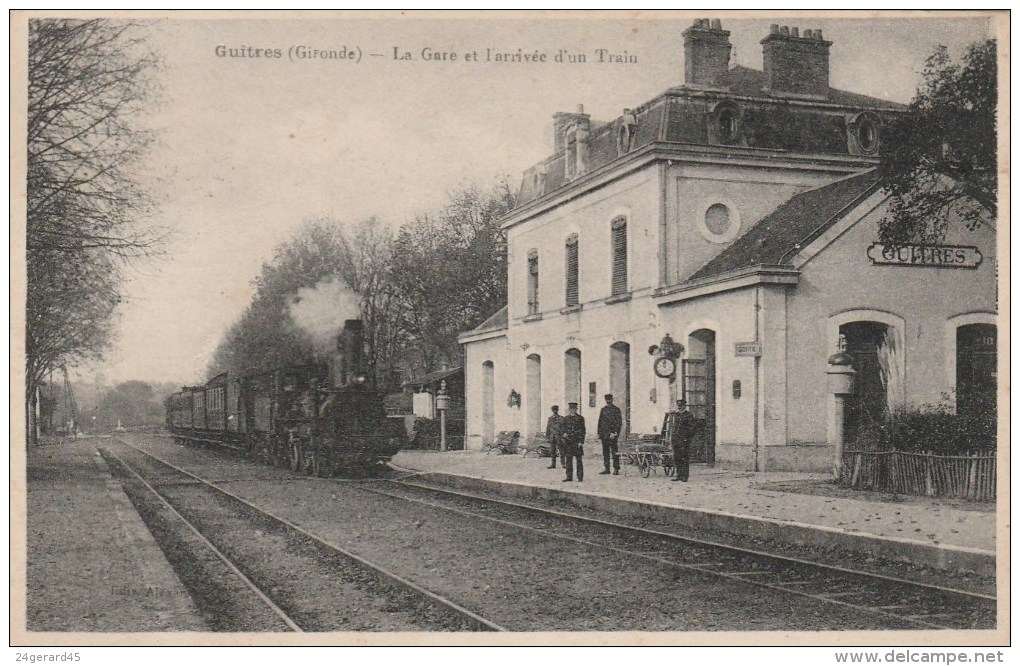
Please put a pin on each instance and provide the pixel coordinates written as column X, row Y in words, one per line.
column 738, row 576
column 481, row 623
column 279, row 612
column 748, row 552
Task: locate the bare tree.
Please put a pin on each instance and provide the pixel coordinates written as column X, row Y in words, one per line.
column 265, row 336
column 365, row 260
column 87, row 83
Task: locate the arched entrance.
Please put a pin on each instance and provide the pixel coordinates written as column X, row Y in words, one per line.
column 571, row 378
column 698, row 389
column 533, row 394
column 619, row 382
column 876, row 357
column 976, row 374
column 488, row 402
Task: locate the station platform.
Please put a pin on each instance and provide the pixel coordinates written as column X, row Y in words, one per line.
column 92, row 564
column 803, row 509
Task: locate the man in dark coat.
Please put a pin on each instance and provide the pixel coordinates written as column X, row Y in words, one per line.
column 610, row 425
column 573, row 442
column 554, row 434
column 678, row 430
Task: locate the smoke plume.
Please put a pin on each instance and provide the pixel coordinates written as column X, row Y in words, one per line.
column 320, row 311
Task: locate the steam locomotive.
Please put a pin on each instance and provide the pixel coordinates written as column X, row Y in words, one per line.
column 319, row 419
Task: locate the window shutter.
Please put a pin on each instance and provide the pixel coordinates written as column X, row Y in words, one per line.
column 619, row 242
column 572, row 296
column 533, row 282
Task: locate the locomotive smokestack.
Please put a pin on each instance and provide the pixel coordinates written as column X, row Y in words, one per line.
column 350, row 361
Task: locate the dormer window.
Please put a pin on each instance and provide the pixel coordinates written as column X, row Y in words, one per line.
column 625, row 132
column 725, row 123
column 570, row 158
column 863, row 134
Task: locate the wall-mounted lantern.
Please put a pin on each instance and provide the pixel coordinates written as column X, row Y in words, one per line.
column 667, row 348
column 666, row 353
column 514, row 399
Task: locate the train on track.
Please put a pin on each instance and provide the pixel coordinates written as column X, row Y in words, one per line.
column 321, row 419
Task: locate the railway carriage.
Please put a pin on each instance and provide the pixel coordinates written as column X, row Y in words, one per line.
column 318, row 419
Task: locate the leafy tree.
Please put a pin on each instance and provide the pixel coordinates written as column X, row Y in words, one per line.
column 449, row 271
column 939, row 158
column 87, row 83
column 130, row 403
column 266, row 337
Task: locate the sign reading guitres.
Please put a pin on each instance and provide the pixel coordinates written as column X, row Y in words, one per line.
column 930, row 256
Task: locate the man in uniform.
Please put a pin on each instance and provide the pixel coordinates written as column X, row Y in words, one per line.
column 610, row 425
column 554, row 434
column 573, row 442
column 678, row 430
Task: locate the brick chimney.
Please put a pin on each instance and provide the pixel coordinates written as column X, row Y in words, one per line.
column 706, row 53
column 795, row 64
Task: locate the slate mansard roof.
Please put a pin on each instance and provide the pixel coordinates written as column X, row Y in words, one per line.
column 687, row 115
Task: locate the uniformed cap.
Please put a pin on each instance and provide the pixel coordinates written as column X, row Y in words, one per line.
column 556, row 408
column 609, row 396
column 571, row 404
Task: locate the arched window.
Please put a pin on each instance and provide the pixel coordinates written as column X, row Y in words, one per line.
column 533, row 282
column 976, row 377
column 619, row 267
column 572, row 271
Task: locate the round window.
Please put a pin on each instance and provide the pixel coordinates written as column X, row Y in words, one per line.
column 718, row 222
column 717, row 219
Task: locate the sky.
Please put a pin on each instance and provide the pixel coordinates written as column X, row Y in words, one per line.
column 251, row 147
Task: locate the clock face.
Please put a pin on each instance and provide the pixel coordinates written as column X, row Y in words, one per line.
column 665, row 367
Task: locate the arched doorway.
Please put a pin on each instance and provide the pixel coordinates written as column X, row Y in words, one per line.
column 533, row 394
column 976, row 374
column 876, row 357
column 571, row 378
column 698, row 376
column 488, row 402
column 619, row 381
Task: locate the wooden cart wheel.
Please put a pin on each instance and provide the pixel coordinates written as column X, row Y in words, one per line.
column 667, row 470
column 644, row 467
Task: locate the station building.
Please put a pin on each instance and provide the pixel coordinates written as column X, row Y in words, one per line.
column 720, row 242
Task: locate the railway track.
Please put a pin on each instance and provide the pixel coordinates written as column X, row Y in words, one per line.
column 530, row 568
column 250, row 570
column 885, row 597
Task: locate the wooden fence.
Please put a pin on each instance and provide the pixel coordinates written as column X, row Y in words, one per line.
column 970, row 477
